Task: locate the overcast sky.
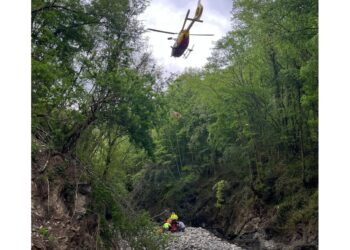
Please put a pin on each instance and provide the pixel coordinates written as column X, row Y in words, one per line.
column 169, row 15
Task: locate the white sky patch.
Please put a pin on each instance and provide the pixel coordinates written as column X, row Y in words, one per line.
column 164, row 15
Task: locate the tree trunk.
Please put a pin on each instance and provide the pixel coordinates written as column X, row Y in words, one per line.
column 111, row 143
column 74, row 136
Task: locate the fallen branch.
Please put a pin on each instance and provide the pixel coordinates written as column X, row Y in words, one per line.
column 159, row 214
column 42, row 169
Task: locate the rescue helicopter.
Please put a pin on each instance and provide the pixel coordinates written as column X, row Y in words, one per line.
column 183, row 37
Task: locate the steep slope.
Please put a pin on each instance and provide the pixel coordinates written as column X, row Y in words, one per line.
column 59, row 205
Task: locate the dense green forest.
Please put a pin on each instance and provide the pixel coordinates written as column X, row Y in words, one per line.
column 235, row 140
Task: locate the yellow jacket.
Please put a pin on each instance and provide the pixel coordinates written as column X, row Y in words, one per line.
column 166, row 225
column 173, row 216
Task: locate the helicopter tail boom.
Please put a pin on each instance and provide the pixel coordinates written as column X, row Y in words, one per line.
column 197, row 15
column 186, row 18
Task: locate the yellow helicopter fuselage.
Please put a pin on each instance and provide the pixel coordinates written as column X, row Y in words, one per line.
column 181, row 43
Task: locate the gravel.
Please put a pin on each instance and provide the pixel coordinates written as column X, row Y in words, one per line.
column 198, row 238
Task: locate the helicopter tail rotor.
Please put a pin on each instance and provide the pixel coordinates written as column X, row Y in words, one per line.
column 199, row 12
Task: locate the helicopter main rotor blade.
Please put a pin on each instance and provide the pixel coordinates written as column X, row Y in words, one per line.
column 162, row 31
column 201, row 34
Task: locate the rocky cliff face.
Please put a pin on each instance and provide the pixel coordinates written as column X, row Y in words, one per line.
column 245, row 220
column 59, row 205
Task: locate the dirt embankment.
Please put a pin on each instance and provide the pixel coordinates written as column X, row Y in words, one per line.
column 60, row 198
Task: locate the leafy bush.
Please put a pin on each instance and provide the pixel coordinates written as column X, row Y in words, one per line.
column 219, row 188
column 117, row 220
column 297, row 209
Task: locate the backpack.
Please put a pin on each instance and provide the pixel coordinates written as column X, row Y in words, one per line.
column 173, row 226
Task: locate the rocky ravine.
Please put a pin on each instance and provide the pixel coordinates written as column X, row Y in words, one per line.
column 199, row 239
